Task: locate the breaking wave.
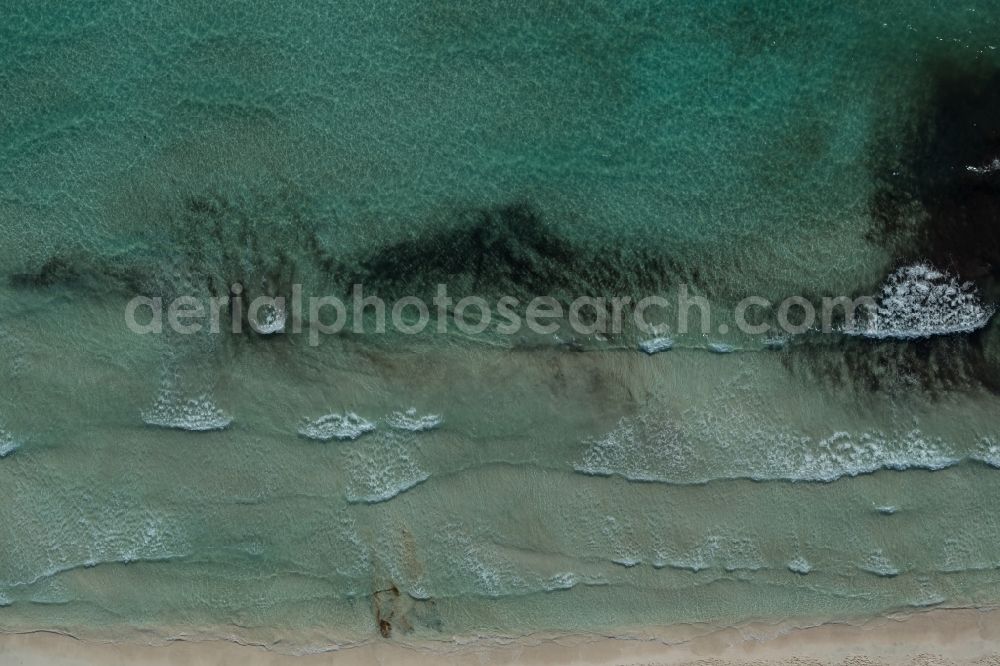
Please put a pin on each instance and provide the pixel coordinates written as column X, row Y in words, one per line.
column 8, row 444
column 172, row 410
column 412, row 422
column 347, row 426
column 385, row 466
column 799, row 565
column 880, row 565
column 112, row 536
column 992, row 167
column 919, row 301
column 653, row 449
column 656, row 345
column 988, row 452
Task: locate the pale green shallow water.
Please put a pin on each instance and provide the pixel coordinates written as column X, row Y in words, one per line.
column 563, row 148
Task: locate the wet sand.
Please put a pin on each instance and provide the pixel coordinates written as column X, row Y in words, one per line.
column 943, row 636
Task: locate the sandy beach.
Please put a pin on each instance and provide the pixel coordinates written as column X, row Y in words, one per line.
column 943, row 636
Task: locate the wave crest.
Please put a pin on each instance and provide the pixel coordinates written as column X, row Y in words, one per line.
column 382, row 469
column 412, row 422
column 347, row 426
column 919, row 301
column 649, row 448
column 8, row 444
column 172, row 410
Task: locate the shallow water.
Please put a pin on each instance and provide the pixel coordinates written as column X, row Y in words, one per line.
column 255, row 485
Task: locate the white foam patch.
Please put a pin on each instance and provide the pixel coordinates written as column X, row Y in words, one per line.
column 149, row 537
column 844, row 454
column 992, row 167
column 8, row 444
column 775, row 343
column 880, row 565
column 620, row 537
column 988, row 452
column 479, row 567
column 648, row 448
column 919, row 301
column 347, row 426
column 383, row 468
column 565, row 580
column 968, row 550
column 656, row 345
column 639, row 449
column 118, row 532
column 413, row 422
column 270, row 320
column 419, row 592
column 172, row 410
column 799, row 565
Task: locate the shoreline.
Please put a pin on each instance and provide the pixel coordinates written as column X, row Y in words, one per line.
column 937, row 636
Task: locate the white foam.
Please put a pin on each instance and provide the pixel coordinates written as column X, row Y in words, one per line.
column 419, row 593
column 919, row 301
column 480, row 565
column 639, row 449
column 114, row 532
column 652, row 448
column 845, row 454
column 878, row 564
column 565, row 580
column 171, row 410
column 382, row 469
column 412, row 422
column 270, row 320
column 656, row 345
column 378, row 490
column 799, row 565
column 720, row 348
column 988, row 452
column 989, row 168
column 8, row 444
column 775, row 343
column 347, row 426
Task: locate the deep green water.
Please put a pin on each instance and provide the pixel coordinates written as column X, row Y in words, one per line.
column 563, row 149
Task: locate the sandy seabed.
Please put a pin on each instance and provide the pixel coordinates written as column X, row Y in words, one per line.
column 942, row 636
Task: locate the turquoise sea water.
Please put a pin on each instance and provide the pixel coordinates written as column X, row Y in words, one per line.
column 564, row 149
